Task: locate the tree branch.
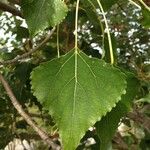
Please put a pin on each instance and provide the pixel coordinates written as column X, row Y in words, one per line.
column 26, row 117
column 140, row 119
column 25, row 55
column 10, row 9
column 14, row 1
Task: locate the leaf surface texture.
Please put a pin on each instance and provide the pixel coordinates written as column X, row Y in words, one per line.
column 77, row 91
column 40, row 14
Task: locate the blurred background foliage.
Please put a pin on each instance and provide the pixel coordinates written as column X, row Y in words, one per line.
column 129, row 27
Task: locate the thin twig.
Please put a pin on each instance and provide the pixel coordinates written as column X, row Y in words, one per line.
column 58, row 48
column 135, row 4
column 141, row 119
column 25, row 55
column 108, row 32
column 144, row 5
column 10, row 9
column 26, row 117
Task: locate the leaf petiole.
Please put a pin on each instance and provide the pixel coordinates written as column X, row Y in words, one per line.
column 76, row 27
column 142, row 3
column 58, row 49
column 108, row 33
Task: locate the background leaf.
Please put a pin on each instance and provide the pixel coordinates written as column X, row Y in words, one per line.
column 74, row 87
column 22, row 32
column 146, row 18
column 107, row 4
column 40, row 14
column 107, row 51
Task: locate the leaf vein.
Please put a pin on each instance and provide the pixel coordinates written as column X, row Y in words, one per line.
column 87, row 66
column 90, row 70
column 63, row 65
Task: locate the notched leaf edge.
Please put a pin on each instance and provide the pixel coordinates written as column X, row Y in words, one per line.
column 92, row 122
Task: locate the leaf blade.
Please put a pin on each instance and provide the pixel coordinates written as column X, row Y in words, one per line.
column 40, row 14
column 66, row 97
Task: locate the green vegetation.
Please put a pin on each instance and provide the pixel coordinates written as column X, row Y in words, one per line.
column 75, row 74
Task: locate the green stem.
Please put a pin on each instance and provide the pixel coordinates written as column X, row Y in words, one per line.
column 102, row 28
column 76, row 27
column 58, row 49
column 108, row 33
column 135, row 4
column 141, row 1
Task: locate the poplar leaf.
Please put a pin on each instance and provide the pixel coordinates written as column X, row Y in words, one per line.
column 73, row 87
column 40, row 14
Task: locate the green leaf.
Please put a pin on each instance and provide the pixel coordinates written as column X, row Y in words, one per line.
column 92, row 14
column 107, row 126
column 73, row 87
column 146, row 18
column 107, row 4
column 40, row 14
column 107, row 51
column 22, row 32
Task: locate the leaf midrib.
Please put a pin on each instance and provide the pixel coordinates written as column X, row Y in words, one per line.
column 75, row 76
column 76, row 83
